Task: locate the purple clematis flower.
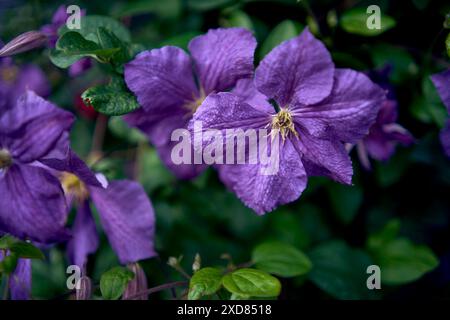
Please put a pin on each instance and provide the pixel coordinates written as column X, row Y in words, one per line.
column 32, row 202
column 320, row 108
column 15, row 80
column 20, row 280
column 51, row 31
column 385, row 134
column 442, row 83
column 125, row 211
column 170, row 85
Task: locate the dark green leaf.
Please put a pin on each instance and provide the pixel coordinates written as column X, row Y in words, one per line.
column 9, row 264
column 113, row 99
column 284, row 31
column 205, row 282
column 204, row 5
column 355, row 21
column 26, row 250
column 108, row 40
column 346, row 201
column 447, row 44
column 114, row 282
column 251, row 283
column 340, row 271
column 281, row 259
column 7, row 241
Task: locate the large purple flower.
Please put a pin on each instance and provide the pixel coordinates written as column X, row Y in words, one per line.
column 15, row 80
column 32, row 202
column 125, row 211
column 320, row 108
column 51, row 31
column 442, row 83
column 170, row 85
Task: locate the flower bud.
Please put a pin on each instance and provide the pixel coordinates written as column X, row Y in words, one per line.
column 137, row 285
column 85, row 289
column 197, row 263
column 24, row 42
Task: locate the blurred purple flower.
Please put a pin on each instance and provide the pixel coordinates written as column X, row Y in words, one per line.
column 19, row 282
column 321, row 108
column 164, row 81
column 15, row 80
column 51, row 31
column 32, row 202
column 385, row 133
column 125, row 211
column 442, row 83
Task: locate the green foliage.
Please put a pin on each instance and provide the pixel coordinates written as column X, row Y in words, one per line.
column 205, row 282
column 114, row 281
column 355, row 21
column 340, row 270
column 281, row 259
column 346, row 201
column 21, row 249
column 400, row 260
column 248, row 282
column 447, row 44
column 285, row 30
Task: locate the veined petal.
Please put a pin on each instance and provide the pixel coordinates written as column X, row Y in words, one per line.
column 442, row 83
column 32, row 204
column 128, row 219
column 85, row 239
column 222, row 57
column 263, row 193
column 347, row 114
column 300, row 69
column 161, row 79
column 322, row 157
column 33, row 127
column 245, row 89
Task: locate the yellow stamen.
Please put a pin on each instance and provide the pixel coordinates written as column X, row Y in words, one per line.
column 282, row 122
column 72, row 185
column 192, row 106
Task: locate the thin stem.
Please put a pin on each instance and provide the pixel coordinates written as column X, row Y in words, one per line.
column 157, row 289
column 99, row 134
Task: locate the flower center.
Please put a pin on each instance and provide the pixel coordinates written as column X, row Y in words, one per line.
column 193, row 105
column 282, row 122
column 9, row 74
column 72, row 185
column 5, row 159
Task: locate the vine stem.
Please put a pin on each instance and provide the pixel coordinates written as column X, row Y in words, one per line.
column 157, row 289
column 99, row 134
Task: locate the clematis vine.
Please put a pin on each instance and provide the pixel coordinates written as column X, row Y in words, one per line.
column 32, row 202
column 125, row 212
column 51, row 31
column 385, row 133
column 170, row 85
column 319, row 108
column 442, row 83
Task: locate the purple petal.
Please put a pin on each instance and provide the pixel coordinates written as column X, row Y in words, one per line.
column 347, row 114
column 263, row 193
column 222, row 57
column 128, row 219
column 80, row 67
column 324, row 157
column 300, row 69
column 162, row 79
column 379, row 145
column 20, row 281
column 442, row 83
column 32, row 204
column 73, row 164
column 245, row 89
column 445, row 138
column 85, row 239
column 33, row 127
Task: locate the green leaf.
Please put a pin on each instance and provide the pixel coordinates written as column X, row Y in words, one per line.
column 113, row 99
column 90, row 25
column 355, row 21
column 71, row 47
column 205, row 282
column 399, row 259
column 237, row 18
column 108, row 40
column 447, row 44
column 204, row 5
column 122, row 130
column 251, row 283
column 346, row 201
column 9, row 264
column 340, row 271
column 281, row 259
column 286, row 30
column 20, row 248
column 114, row 282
